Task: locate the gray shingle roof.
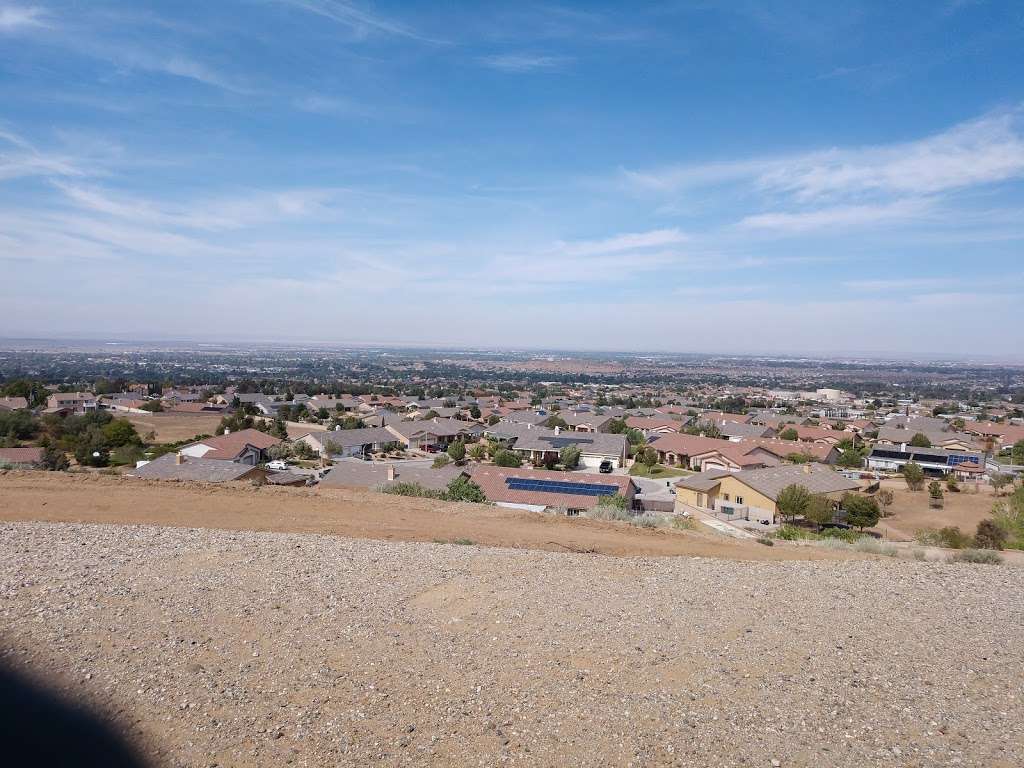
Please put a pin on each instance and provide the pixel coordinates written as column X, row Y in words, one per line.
column 203, row 470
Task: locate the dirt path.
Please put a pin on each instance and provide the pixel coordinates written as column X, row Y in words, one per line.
column 60, row 497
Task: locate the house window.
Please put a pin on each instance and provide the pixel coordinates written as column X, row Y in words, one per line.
column 725, row 496
column 739, row 499
column 573, row 512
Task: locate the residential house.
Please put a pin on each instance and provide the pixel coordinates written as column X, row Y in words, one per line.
column 71, row 402
column 936, row 462
column 540, row 444
column 182, row 466
column 13, row 404
column 540, row 490
column 247, row 446
column 432, row 434
column 374, row 476
column 753, row 494
column 342, row 443
column 652, row 425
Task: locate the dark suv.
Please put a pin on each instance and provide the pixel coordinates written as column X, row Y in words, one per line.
column 606, row 467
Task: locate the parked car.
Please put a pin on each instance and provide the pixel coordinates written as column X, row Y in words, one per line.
column 606, row 467
column 278, row 464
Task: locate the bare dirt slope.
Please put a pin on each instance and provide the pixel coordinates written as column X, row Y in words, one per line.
column 268, row 649
column 50, row 496
column 910, row 511
column 172, row 427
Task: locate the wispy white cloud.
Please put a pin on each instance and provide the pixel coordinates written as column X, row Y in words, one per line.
column 360, row 21
column 519, row 63
column 987, row 150
column 838, row 217
column 15, row 18
column 626, row 242
column 20, row 158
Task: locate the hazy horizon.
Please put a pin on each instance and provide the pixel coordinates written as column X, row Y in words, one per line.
column 754, row 178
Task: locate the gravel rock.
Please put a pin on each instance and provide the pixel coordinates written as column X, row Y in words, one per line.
column 242, row 648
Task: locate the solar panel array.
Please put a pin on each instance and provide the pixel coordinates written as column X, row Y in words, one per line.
column 560, row 486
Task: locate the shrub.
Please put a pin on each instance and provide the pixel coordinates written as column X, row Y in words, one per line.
column 506, row 458
column 875, row 547
column 766, row 541
column 841, row 534
column 792, row 501
column 476, row 452
column 791, row 533
column 950, row 537
column 647, row 520
column 978, row 556
column 684, row 523
column 442, row 460
column 412, row 489
column 464, row 489
column 989, row 535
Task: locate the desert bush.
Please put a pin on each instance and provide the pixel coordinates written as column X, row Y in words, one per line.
column 647, row 520
column 875, row 547
column 442, row 460
column 608, row 512
column 842, row 534
column 989, row 535
column 919, row 554
column 766, row 541
column 684, row 523
column 978, row 556
column 950, row 537
column 412, row 489
column 793, row 533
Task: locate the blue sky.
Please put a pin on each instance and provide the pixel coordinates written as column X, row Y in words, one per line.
column 691, row 176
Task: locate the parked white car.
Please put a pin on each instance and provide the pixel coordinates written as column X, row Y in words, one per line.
column 279, row 464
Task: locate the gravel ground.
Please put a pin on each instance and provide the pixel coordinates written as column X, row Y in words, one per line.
column 236, row 649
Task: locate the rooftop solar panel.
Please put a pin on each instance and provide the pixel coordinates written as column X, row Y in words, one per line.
column 560, row 486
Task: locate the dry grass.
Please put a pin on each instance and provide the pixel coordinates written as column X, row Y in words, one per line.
column 911, row 513
column 172, row 427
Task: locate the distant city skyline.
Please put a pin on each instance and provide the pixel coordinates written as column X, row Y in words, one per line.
column 689, row 177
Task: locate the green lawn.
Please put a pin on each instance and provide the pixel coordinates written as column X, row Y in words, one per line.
column 657, row 471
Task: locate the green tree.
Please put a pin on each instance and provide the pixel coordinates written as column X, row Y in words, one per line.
column 792, row 501
column 120, row 432
column 861, row 511
column 913, row 475
column 476, row 452
column 18, row 425
column 457, row 451
column 648, row 456
column 635, row 436
column 920, row 440
column 1000, row 480
column 850, row 458
column 1017, row 452
column 474, row 412
column 819, row 510
column 789, row 434
column 54, row 459
column 570, row 456
column 617, row 426
column 556, row 421
column 153, row 406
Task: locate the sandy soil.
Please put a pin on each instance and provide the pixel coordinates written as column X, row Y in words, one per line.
column 212, row 648
column 91, row 498
column 911, row 512
column 172, row 427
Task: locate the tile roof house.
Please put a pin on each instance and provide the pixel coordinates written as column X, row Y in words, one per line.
column 339, row 443
column 13, row 403
column 247, row 446
column 752, row 494
column 179, row 466
column 20, row 457
column 538, row 490
column 652, row 425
